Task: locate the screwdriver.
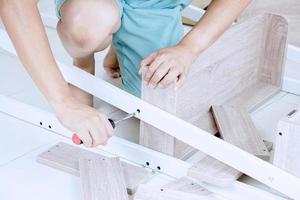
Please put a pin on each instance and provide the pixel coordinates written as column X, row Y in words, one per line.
column 77, row 140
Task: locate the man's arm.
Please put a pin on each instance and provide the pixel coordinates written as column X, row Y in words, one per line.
column 24, row 26
column 177, row 60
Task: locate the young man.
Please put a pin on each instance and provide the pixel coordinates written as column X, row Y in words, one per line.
column 146, row 36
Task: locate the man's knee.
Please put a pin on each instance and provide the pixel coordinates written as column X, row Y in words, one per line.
column 89, row 24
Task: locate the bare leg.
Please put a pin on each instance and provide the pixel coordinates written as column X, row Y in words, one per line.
column 86, row 27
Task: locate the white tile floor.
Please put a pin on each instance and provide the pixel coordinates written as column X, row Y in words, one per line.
column 21, row 176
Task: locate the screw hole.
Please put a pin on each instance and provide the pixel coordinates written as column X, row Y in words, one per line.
column 162, row 190
column 280, row 133
column 50, row 126
column 138, row 110
column 158, row 167
column 41, row 123
column 147, row 163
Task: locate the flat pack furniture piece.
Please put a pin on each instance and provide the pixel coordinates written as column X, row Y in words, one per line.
column 245, row 64
column 146, row 192
column 236, row 127
column 184, row 184
column 102, row 179
column 290, row 9
column 174, row 126
column 287, row 146
column 65, row 157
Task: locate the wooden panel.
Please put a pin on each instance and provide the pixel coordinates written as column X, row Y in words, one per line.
column 236, row 127
column 212, row 171
column 287, row 147
column 102, row 179
column 65, row 157
column 287, row 8
column 184, row 184
column 218, row 76
column 153, row 137
column 146, row 192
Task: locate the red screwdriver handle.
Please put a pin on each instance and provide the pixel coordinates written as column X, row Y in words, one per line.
column 78, row 141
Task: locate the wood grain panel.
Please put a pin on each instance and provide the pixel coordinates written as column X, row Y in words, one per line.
column 184, row 184
column 147, row 192
column 249, row 55
column 65, row 157
column 102, row 179
column 236, row 127
column 287, row 146
column 212, row 171
column 287, row 8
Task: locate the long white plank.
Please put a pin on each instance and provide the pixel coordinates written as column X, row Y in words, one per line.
column 197, row 138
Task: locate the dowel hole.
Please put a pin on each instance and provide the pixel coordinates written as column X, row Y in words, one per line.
column 138, row 110
column 162, row 190
column 158, row 167
column 147, row 163
column 280, row 133
column 41, row 123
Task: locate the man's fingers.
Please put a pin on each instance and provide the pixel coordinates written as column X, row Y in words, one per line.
column 98, row 133
column 147, row 61
column 151, row 69
column 85, row 137
column 159, row 74
column 107, row 125
column 180, row 81
column 171, row 77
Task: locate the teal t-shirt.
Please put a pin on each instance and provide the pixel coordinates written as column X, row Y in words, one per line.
column 147, row 26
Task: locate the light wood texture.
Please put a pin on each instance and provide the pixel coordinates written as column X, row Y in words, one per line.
column 287, row 146
column 247, row 59
column 184, row 184
column 236, row 127
column 290, row 9
column 147, row 192
column 102, row 179
column 65, row 157
column 212, row 171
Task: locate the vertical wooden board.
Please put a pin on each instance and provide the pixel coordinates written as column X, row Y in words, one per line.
column 236, row 127
column 212, row 171
column 146, row 192
column 287, row 147
column 243, row 67
column 65, row 157
column 275, row 47
column 150, row 136
column 102, row 179
column 184, row 184
column 287, row 8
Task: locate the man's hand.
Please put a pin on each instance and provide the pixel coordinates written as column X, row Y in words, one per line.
column 166, row 66
column 91, row 126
